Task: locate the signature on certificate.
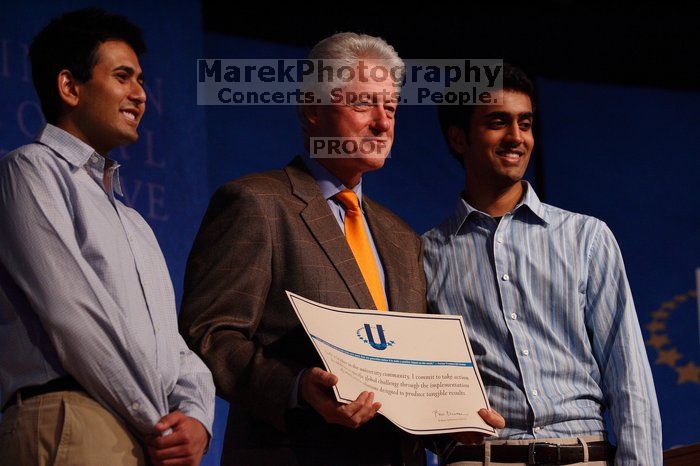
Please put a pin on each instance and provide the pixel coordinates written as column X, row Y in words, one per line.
column 447, row 415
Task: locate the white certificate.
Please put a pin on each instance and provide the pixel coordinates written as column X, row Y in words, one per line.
column 419, row 366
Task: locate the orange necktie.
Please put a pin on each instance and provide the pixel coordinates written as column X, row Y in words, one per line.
column 356, row 236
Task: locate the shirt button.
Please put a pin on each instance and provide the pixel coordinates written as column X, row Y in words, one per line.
column 135, row 405
column 525, row 352
column 505, row 277
column 513, row 315
column 535, row 392
column 94, row 159
column 537, row 429
column 499, row 239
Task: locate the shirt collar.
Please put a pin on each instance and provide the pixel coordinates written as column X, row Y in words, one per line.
column 70, row 148
column 465, row 211
column 532, row 202
column 76, row 152
column 330, row 185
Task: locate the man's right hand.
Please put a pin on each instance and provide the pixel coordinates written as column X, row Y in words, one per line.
column 315, row 389
column 183, row 446
column 491, row 417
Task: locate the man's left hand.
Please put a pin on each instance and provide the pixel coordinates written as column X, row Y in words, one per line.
column 183, row 447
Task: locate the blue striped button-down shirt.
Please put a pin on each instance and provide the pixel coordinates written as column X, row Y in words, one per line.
column 84, row 289
column 551, row 321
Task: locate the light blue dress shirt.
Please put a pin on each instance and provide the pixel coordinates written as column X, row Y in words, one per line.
column 84, row 289
column 551, row 321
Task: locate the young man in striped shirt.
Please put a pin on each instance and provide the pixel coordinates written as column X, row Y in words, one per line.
column 546, row 300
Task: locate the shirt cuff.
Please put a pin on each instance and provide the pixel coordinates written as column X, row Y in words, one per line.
column 197, row 413
column 294, row 401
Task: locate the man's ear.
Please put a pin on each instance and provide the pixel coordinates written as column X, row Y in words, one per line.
column 68, row 88
column 310, row 112
column 457, row 139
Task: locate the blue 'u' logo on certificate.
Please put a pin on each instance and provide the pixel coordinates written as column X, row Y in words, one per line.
column 370, row 336
column 367, row 335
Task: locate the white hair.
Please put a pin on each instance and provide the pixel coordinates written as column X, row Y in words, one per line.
column 346, row 49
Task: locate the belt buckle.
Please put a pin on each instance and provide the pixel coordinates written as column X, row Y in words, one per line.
column 532, row 453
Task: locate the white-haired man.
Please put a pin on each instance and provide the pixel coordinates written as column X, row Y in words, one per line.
column 308, row 229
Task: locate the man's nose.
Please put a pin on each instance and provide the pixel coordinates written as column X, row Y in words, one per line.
column 380, row 121
column 514, row 135
column 138, row 92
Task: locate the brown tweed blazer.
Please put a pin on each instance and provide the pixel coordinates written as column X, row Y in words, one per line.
column 264, row 234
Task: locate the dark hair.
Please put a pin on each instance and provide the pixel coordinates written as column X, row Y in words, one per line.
column 514, row 79
column 71, row 42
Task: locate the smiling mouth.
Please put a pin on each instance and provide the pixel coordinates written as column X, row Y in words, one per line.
column 375, row 140
column 129, row 115
column 510, row 154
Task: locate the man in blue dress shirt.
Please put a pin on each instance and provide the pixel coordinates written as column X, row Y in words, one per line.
column 93, row 370
column 546, row 300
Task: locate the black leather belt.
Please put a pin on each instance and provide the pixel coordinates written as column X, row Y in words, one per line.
column 534, row 453
column 61, row 384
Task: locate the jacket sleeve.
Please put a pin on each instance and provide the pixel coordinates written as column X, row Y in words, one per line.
column 227, row 281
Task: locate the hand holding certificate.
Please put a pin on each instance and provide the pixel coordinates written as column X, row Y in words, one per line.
column 420, row 367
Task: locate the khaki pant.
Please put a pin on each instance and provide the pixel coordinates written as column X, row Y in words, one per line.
column 66, row 429
column 562, row 441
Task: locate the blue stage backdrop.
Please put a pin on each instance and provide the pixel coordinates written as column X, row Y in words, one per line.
column 624, row 155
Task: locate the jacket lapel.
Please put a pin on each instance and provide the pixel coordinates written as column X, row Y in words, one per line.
column 390, row 253
column 324, row 227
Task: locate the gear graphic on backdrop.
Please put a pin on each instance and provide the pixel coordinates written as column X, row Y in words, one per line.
column 667, row 353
